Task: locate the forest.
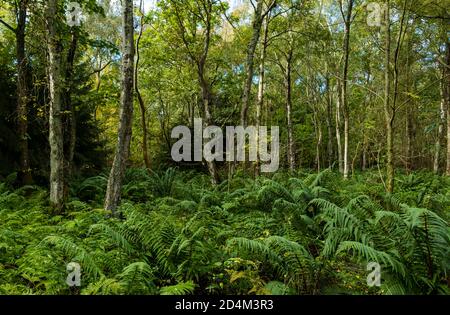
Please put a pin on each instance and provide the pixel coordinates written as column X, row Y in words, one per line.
column 224, row 147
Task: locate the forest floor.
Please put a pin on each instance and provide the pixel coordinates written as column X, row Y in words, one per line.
column 175, row 233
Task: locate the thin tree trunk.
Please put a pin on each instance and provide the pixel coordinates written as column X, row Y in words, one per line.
column 387, row 104
column 354, row 158
column 408, row 118
column 318, row 132
column 260, row 98
column 71, row 121
column 256, row 29
column 55, row 123
column 390, row 159
column 345, row 110
column 205, row 87
column 446, row 99
column 206, row 99
column 139, row 96
column 113, row 192
column 22, row 95
column 290, row 127
column 338, row 127
column 437, row 145
column 328, row 122
column 364, row 131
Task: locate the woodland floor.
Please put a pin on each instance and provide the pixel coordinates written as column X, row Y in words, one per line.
column 306, row 233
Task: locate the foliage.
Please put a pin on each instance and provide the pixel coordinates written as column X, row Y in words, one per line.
column 285, row 235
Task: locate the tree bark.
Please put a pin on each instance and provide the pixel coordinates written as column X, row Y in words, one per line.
column 113, row 192
column 55, row 123
column 328, row 118
column 440, row 133
column 71, row 121
column 446, row 96
column 22, row 95
column 205, row 86
column 145, row 154
column 345, row 110
column 318, row 132
column 338, row 126
column 387, row 104
column 256, row 29
column 288, row 91
column 261, row 82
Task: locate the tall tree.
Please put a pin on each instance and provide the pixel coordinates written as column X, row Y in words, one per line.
column 138, row 92
column 114, row 188
column 203, row 13
column 70, row 130
column 288, row 92
column 257, row 22
column 387, row 104
column 446, row 97
column 347, row 16
column 261, row 83
column 55, row 122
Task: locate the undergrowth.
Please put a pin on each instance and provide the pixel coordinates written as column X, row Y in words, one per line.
column 176, row 234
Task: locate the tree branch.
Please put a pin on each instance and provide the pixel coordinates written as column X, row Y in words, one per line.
column 8, row 26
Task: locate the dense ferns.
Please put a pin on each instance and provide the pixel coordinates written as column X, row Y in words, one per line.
column 176, row 234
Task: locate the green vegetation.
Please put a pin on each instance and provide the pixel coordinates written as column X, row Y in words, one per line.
column 355, row 94
column 177, row 234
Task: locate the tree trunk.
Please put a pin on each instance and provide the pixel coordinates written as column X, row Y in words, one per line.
column 440, row 133
column 387, row 104
column 446, row 96
column 22, row 95
column 290, row 127
column 318, row 132
column 256, row 29
column 113, row 192
column 345, row 110
column 205, row 87
column 338, row 127
column 55, row 123
column 71, row 121
column 139, row 96
column 260, row 98
column 328, row 122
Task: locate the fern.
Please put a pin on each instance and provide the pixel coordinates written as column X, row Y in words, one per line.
column 182, row 288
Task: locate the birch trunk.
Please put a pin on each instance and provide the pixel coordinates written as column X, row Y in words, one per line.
column 446, row 97
column 345, row 110
column 113, row 191
column 55, row 123
column 260, row 98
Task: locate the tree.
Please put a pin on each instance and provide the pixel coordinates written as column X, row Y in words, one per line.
column 54, row 47
column 388, row 109
column 194, row 23
column 114, row 188
column 347, row 16
column 446, row 97
column 261, row 83
column 258, row 18
column 138, row 92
